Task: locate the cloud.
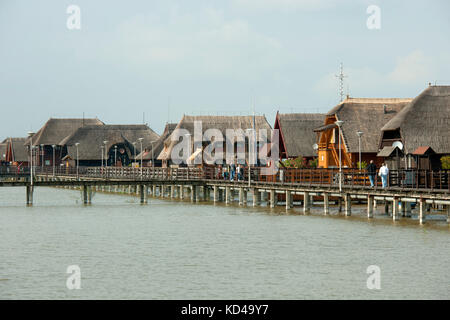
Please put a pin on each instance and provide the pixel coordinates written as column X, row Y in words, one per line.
column 187, row 44
column 285, row 5
column 414, row 70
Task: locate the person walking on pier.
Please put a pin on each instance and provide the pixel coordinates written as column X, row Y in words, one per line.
column 372, row 171
column 232, row 171
column 384, row 172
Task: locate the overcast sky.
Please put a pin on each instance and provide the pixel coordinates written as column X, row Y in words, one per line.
column 166, row 58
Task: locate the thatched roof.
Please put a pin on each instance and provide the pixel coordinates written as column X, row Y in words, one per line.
column 18, row 148
column 297, row 132
column 387, row 151
column 214, row 122
column 91, row 139
column 368, row 115
column 158, row 145
column 56, row 130
column 2, row 151
column 425, row 121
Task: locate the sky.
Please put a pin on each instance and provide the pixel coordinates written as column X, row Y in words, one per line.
column 153, row 61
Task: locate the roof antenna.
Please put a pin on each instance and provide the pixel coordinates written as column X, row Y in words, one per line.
column 341, row 77
column 143, row 117
column 83, row 120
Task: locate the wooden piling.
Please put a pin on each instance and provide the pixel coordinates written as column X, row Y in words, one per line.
column 370, row 206
column 326, row 203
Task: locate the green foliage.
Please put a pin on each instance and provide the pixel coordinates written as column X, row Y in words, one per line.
column 363, row 164
column 300, row 163
column 445, row 162
column 313, row 163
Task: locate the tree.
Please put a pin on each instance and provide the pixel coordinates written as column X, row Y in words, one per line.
column 445, row 162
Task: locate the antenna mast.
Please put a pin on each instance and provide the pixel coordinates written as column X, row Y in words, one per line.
column 341, row 77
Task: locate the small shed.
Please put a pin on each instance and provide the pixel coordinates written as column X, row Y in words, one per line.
column 392, row 156
column 425, row 158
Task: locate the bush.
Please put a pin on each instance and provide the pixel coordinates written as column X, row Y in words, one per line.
column 313, row 163
column 298, row 162
column 445, row 162
column 363, row 164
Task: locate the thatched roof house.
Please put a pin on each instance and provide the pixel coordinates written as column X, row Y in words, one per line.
column 154, row 149
column 91, row 139
column 425, row 122
column 55, row 131
column 15, row 151
column 2, row 152
column 221, row 123
column 367, row 115
column 296, row 133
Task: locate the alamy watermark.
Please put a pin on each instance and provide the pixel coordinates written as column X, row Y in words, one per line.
column 74, row 19
column 252, row 147
column 74, row 280
column 374, row 279
column 374, row 20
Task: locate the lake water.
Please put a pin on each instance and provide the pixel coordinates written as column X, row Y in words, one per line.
column 178, row 250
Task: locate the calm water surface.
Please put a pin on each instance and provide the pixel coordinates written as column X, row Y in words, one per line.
column 176, row 250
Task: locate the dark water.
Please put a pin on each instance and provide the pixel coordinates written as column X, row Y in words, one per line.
column 177, row 250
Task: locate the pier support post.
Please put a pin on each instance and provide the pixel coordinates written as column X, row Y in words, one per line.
column 288, row 200
column 370, row 205
column 89, row 194
column 172, row 191
column 256, row 195
column 181, row 192
column 273, row 198
column 326, row 203
column 30, row 195
column 421, row 211
column 403, row 209
column 154, row 190
column 220, row 194
column 241, row 196
column 395, row 209
column 85, row 194
column 340, row 204
column 215, row 194
column 206, row 195
column 348, row 205
column 306, row 205
column 448, row 213
column 193, row 193
column 227, row 195
column 143, row 194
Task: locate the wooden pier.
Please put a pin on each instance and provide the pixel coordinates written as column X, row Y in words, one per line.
column 203, row 184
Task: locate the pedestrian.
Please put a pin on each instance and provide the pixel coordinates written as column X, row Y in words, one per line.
column 225, row 173
column 372, row 171
column 232, row 171
column 384, row 172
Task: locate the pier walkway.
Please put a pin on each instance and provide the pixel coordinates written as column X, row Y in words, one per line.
column 305, row 186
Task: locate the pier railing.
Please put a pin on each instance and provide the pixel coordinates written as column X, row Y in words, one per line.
column 404, row 179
